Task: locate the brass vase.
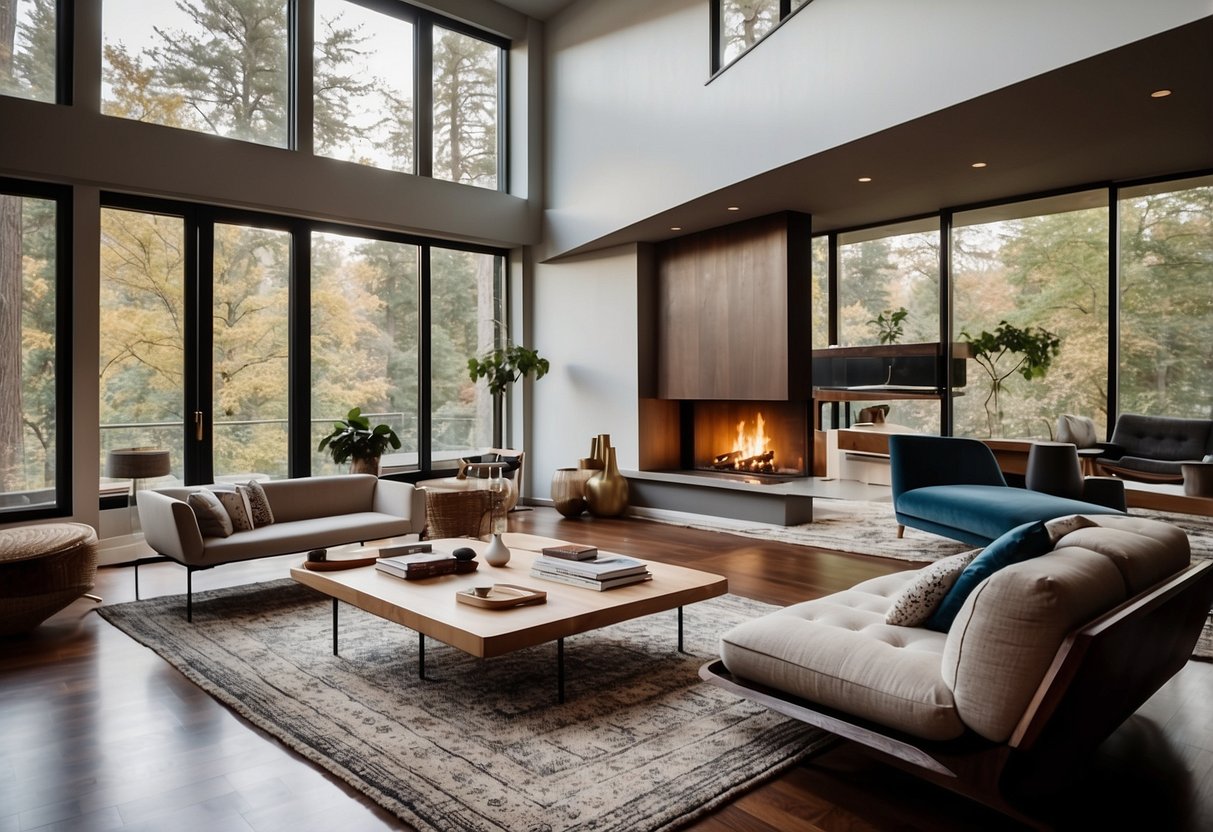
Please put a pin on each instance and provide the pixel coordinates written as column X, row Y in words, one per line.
column 568, row 490
column 606, row 493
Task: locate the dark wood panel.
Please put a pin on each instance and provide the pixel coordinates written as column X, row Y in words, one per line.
column 733, row 312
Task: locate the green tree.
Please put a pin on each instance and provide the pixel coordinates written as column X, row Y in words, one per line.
column 465, row 108
column 340, row 77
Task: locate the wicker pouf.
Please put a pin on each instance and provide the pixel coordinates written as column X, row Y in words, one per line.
column 42, row 570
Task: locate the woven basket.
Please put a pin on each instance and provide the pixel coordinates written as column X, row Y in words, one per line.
column 458, row 514
column 42, row 570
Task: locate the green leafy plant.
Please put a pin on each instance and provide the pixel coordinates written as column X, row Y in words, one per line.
column 501, row 368
column 889, row 324
column 354, row 438
column 1006, row 351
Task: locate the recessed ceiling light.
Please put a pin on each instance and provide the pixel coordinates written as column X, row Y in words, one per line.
column 865, row 179
column 979, row 164
column 1160, row 93
column 734, row 208
column 675, row 227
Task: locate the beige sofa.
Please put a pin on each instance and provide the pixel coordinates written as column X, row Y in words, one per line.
column 1046, row 656
column 309, row 513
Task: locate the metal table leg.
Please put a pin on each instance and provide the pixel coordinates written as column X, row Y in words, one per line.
column 421, row 656
column 560, row 670
column 680, row 650
column 334, row 626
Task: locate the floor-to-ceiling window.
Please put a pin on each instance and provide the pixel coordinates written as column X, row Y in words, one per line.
column 34, row 344
column 1030, row 284
column 365, row 340
column 819, row 299
column 1166, row 299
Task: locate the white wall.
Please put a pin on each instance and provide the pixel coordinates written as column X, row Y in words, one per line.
column 586, row 310
column 633, row 130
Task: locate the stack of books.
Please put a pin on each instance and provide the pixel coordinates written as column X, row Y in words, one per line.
column 604, row 572
column 424, row 565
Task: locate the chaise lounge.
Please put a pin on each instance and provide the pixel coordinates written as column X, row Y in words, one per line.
column 953, row 487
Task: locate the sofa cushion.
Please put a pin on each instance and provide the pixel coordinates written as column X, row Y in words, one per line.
column 259, row 504
column 919, row 598
column 308, row 497
column 1008, row 631
column 1143, row 464
column 988, row 511
column 1144, row 551
column 235, row 503
column 839, row 652
column 213, row 519
column 1078, row 430
column 1059, row 527
column 1019, row 544
column 302, row 535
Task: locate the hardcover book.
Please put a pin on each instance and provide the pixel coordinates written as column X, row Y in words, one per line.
column 571, row 551
column 601, row 568
column 591, row 583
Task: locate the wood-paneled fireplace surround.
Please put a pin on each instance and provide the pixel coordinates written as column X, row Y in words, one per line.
column 730, row 340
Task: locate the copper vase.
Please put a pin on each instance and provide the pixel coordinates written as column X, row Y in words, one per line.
column 606, row 493
column 568, row 490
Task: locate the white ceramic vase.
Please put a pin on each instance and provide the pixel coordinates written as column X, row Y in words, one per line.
column 497, row 554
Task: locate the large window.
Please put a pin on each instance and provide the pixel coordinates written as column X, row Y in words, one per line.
column 217, row 66
column 1041, row 269
column 466, row 95
column 33, row 349
column 1166, row 299
column 365, row 339
column 363, row 86
column 820, row 291
column 28, row 48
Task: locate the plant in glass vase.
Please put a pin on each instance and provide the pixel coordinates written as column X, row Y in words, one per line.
column 501, row 368
column 353, row 440
column 890, row 324
column 1035, row 347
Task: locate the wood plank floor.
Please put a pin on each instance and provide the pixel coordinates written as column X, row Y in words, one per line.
column 96, row 732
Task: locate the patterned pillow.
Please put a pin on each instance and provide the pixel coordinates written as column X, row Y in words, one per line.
column 1062, row 526
column 919, row 598
column 213, row 519
column 259, row 504
column 237, row 507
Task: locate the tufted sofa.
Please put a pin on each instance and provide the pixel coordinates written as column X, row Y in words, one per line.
column 1152, row 448
column 309, row 513
column 1046, row 657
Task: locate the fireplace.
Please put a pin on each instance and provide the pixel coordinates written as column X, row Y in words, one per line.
column 744, row 437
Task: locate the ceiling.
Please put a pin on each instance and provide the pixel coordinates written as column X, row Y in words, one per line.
column 1088, row 123
column 538, row 9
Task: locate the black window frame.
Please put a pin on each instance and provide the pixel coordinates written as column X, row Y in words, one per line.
column 62, row 196
column 718, row 64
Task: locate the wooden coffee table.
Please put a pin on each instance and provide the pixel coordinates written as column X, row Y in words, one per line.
column 430, row 608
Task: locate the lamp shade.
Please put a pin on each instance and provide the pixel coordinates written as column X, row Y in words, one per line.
column 137, row 463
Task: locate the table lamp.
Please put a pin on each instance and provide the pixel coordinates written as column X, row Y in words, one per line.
column 136, row 464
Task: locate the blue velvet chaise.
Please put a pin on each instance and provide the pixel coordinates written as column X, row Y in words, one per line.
column 953, row 487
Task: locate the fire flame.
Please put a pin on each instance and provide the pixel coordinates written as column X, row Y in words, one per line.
column 751, row 445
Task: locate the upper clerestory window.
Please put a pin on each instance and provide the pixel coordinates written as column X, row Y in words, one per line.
column 737, row 25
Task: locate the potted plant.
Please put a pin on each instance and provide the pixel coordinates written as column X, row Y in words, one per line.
column 1035, row 347
column 354, row 440
column 502, row 367
column 889, row 324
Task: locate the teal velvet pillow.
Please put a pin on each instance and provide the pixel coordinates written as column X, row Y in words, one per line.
column 1019, row 544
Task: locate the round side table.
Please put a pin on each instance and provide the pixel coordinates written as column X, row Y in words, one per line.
column 1198, row 478
column 1053, row 469
column 42, row 570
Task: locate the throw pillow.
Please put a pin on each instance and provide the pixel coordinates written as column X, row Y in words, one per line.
column 213, row 519
column 1019, row 544
column 237, row 507
column 919, row 598
column 1061, row 526
column 259, row 504
column 1079, row 430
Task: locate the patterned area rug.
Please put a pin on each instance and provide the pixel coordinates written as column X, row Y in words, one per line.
column 641, row 743
column 868, row 528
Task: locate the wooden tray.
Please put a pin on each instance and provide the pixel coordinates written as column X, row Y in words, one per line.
column 502, row 596
column 337, row 564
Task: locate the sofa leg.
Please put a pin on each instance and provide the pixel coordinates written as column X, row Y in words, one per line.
column 901, row 530
column 189, row 594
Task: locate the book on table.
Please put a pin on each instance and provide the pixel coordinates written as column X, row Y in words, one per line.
column 570, row 551
column 605, row 566
column 424, row 565
column 591, row 583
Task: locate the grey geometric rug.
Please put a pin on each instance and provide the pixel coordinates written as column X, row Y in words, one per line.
column 641, row 743
column 869, row 528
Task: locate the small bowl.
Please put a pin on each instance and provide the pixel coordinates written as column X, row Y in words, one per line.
column 464, row 553
column 482, row 591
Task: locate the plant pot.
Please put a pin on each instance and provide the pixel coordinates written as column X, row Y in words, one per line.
column 367, row 465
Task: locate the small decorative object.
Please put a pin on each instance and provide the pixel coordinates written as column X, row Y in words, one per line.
column 354, row 439
column 606, row 493
column 496, row 554
column 317, row 555
column 568, row 489
column 482, row 591
column 464, row 553
column 497, row 486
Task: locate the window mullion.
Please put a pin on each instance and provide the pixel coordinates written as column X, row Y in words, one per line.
column 423, row 94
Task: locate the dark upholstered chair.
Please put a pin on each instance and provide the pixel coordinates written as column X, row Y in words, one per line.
column 1153, row 448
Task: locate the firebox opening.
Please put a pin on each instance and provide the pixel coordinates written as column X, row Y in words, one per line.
column 763, row 438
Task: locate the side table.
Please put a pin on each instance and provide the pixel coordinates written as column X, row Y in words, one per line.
column 1198, row 478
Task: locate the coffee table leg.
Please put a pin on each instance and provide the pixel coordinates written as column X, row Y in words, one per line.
column 560, row 670
column 334, row 626
column 421, row 656
column 680, row 650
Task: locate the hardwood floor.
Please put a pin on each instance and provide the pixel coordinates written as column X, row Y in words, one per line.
column 96, row 732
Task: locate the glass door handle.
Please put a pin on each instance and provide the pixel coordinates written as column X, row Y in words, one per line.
column 199, row 425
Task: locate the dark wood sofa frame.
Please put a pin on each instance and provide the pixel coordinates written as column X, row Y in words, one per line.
column 1102, row 673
